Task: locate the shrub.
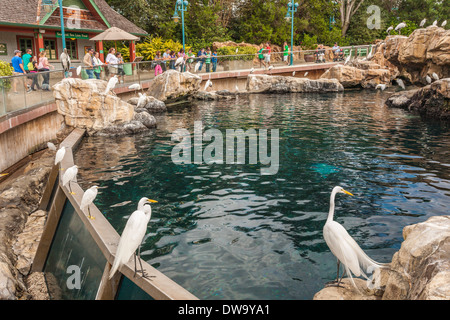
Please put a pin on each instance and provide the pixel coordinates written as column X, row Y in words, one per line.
column 244, row 53
column 5, row 70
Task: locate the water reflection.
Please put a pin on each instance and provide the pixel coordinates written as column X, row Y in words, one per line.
column 227, row 232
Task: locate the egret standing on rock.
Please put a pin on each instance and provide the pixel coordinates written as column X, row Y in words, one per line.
column 435, row 23
column 78, row 70
column 422, row 23
column 252, row 70
column 51, row 146
column 400, row 83
column 381, row 86
column 132, row 236
column 70, row 175
column 400, row 27
column 142, row 100
column 208, row 84
column 88, row 198
column 344, row 247
column 444, row 23
column 389, row 30
column 111, row 84
column 428, row 79
column 435, row 76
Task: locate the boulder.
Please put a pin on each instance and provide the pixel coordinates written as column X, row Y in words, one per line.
column 174, row 85
column 280, row 84
column 420, row 270
column 432, row 101
column 352, row 77
column 152, row 105
column 84, row 104
column 346, row 291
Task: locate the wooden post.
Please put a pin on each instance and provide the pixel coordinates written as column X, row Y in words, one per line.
column 100, row 50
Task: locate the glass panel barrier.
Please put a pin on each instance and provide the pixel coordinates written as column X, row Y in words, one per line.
column 130, row 291
column 75, row 264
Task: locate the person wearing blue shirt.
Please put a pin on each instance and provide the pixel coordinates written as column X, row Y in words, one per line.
column 17, row 65
column 214, row 61
column 202, row 60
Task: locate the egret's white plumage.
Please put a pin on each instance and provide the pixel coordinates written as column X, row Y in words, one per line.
column 306, row 73
column 401, row 83
column 88, row 198
column 60, row 155
column 400, row 26
column 65, row 60
column 237, row 49
column 179, row 62
column 111, row 84
column 444, row 23
column 348, row 58
column 51, row 146
column 435, row 76
column 142, row 100
column 389, row 29
column 135, row 86
column 428, row 79
column 344, row 247
column 381, row 86
column 197, row 66
column 252, row 70
column 293, row 73
column 422, row 23
column 132, row 235
column 69, row 175
column 208, row 84
column 270, row 67
column 78, row 70
column 435, row 23
column 370, row 55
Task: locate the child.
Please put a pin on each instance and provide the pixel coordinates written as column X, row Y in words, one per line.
column 286, row 53
column 208, row 59
column 32, row 68
column 261, row 57
column 190, row 59
column 120, row 71
column 214, row 61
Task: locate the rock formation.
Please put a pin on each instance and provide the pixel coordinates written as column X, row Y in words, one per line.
column 151, row 104
column 84, row 104
column 174, row 85
column 432, row 101
column 368, row 75
column 280, row 84
column 420, row 270
column 424, row 52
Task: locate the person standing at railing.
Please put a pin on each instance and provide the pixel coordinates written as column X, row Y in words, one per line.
column 158, row 59
column 18, row 69
column 166, row 58
column 44, row 67
column 214, row 61
column 88, row 63
column 261, row 57
column 97, row 65
column 32, row 68
column 190, row 60
column 201, row 59
column 286, row 53
column 26, row 59
column 120, row 71
column 172, row 60
column 268, row 53
column 112, row 62
column 208, row 59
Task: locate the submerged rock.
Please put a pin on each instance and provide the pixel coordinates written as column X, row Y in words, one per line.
column 280, row 84
column 432, row 101
column 173, row 85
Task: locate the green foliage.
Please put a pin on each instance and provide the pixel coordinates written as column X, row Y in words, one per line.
column 244, row 53
column 150, row 46
column 5, row 70
column 309, row 43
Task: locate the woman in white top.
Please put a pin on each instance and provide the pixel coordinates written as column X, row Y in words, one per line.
column 113, row 62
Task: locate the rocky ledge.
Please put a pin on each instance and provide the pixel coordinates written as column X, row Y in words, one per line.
column 280, row 84
column 432, row 101
column 87, row 105
column 420, row 270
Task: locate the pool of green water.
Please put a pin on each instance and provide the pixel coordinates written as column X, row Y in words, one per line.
column 225, row 231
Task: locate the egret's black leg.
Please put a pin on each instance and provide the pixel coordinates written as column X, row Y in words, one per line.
column 144, row 274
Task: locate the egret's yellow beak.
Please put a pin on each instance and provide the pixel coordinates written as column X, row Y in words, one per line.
column 345, row 191
column 153, row 201
column 3, row 174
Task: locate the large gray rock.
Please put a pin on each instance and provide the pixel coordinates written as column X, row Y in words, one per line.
column 152, row 105
column 280, row 84
column 173, row 85
column 367, row 75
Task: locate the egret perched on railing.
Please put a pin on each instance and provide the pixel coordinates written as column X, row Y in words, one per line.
column 132, row 237
column 345, row 248
column 88, row 198
column 69, row 176
column 60, row 155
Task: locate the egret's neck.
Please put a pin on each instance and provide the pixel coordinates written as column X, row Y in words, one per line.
column 331, row 212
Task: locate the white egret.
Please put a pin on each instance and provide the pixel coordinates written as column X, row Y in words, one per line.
column 370, row 55
column 381, row 86
column 65, row 60
column 237, row 49
column 344, row 247
column 401, row 83
column 135, row 86
column 111, row 84
column 389, row 29
column 78, row 70
column 428, row 79
column 208, row 84
column 236, row 88
column 348, row 58
column 435, row 76
column 132, row 236
column 197, row 66
column 142, row 101
column 435, row 23
column 400, row 27
column 60, row 155
column 252, row 70
column 69, row 175
column 306, row 73
column 179, row 63
column 422, row 23
column 444, row 23
column 293, row 73
column 88, row 198
column 51, row 146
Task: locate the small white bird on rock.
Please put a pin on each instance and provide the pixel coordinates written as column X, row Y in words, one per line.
column 428, row 79
column 422, row 23
column 208, row 84
column 435, row 76
column 381, row 86
column 142, row 100
column 111, row 84
column 51, row 146
column 400, row 27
